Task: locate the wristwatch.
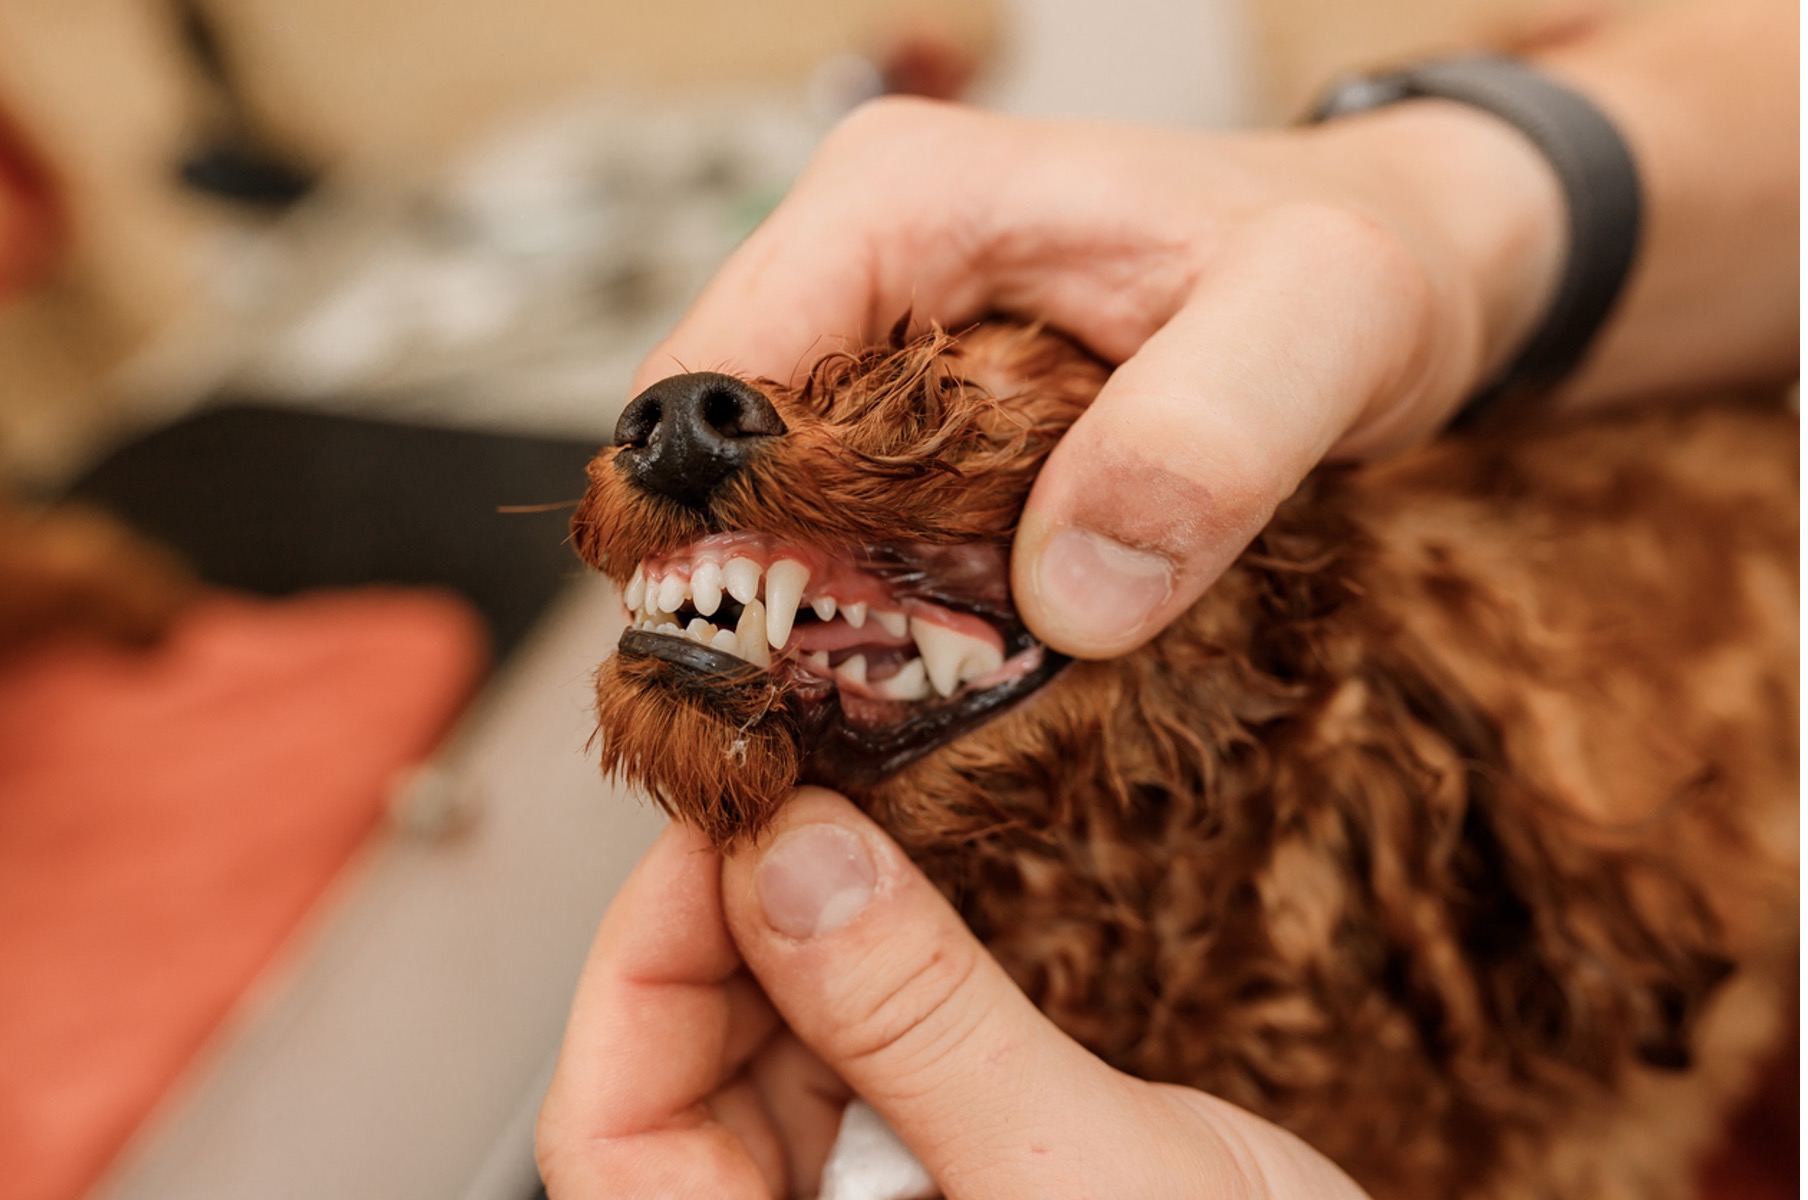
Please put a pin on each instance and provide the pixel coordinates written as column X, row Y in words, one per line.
column 1600, row 190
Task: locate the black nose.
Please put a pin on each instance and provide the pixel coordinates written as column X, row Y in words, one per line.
column 684, row 436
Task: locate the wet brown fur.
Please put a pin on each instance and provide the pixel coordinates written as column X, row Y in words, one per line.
column 1455, row 829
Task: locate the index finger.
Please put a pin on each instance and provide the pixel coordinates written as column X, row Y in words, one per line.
column 663, row 1016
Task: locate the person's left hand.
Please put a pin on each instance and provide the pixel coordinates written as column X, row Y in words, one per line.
column 681, row 1074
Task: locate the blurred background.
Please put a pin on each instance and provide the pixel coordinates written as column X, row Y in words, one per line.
column 311, row 313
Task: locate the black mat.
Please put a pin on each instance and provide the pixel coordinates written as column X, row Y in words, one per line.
column 277, row 501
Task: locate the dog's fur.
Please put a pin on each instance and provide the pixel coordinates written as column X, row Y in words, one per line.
column 1454, row 829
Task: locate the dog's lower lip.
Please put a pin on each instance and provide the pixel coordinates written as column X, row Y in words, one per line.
column 680, row 652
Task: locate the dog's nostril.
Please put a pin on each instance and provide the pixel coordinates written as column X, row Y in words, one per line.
column 685, row 436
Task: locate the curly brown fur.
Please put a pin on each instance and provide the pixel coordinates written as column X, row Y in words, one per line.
column 1454, row 829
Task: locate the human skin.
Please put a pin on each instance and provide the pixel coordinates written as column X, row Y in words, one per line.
column 1272, row 300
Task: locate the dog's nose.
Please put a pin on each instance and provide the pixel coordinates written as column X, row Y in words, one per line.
column 684, row 436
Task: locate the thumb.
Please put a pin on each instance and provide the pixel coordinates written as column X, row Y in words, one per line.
column 879, row 976
column 1308, row 320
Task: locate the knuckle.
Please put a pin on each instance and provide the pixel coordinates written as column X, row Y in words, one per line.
column 907, row 1025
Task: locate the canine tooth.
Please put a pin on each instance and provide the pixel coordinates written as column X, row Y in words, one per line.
column 947, row 654
column 726, row 642
column 820, row 659
column 742, row 579
column 706, row 588
column 823, row 607
column 671, row 593
column 635, row 594
column 786, row 580
column 894, row 623
column 982, row 660
column 699, row 630
column 854, row 669
column 751, row 634
column 911, row 683
column 854, row 614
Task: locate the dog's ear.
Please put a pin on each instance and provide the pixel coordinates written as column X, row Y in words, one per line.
column 1584, row 951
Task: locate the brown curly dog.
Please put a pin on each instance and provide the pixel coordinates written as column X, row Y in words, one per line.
column 1454, row 829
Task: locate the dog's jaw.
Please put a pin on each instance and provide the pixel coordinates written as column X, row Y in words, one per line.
column 866, row 658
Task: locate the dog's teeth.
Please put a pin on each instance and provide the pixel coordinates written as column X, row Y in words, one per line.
column 951, row 656
column 742, row 579
column 823, row 607
column 751, row 634
column 854, row 614
column 894, row 623
column 854, row 669
column 726, row 642
column 911, row 683
column 983, row 659
column 664, row 624
column 671, row 593
column 820, row 660
column 706, row 588
column 786, row 580
column 699, row 630
column 635, row 594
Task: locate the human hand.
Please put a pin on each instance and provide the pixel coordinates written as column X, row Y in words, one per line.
column 1272, row 298
column 681, row 1074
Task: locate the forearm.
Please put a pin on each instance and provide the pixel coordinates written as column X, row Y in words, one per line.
column 1706, row 96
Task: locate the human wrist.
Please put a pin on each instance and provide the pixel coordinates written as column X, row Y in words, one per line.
column 1483, row 208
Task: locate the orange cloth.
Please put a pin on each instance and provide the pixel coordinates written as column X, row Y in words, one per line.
column 166, row 819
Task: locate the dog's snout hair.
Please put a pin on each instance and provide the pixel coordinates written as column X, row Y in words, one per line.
column 1454, row 829
column 685, row 436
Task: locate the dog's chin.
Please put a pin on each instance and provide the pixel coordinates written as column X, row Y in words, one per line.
column 752, row 665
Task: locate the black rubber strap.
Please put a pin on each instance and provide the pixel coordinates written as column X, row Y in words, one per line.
column 1600, row 189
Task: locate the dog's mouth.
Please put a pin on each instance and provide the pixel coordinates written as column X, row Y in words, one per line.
column 880, row 653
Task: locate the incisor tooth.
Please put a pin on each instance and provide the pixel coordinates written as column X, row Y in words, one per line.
column 854, row 669
column 820, row 660
column 635, row 594
column 706, row 588
column 911, row 683
column 786, row 580
column 751, row 634
column 742, row 578
column 947, row 654
column 699, row 630
column 854, row 614
column 726, row 642
column 671, row 593
column 823, row 607
column 894, row 623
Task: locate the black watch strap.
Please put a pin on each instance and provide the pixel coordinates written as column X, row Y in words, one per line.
column 1600, row 189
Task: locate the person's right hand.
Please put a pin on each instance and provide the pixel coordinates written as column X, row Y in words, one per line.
column 1272, row 298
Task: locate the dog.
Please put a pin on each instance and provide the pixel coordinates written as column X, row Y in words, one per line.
column 1454, row 829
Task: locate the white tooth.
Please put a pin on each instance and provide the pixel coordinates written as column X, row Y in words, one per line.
column 751, row 634
column 946, row 652
column 785, row 583
column 726, row 642
column 742, row 578
column 983, row 659
column 635, row 594
column 894, row 623
column 854, row 669
column 822, row 606
column 699, row 630
column 820, row 660
column 667, row 626
column 671, row 593
column 706, row 588
column 911, row 683
column 854, row 614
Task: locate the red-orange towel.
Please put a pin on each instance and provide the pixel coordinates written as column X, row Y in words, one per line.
column 166, row 818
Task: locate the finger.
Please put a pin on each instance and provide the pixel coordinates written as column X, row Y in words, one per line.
column 661, row 1020
column 1302, row 322
column 878, row 975
column 804, row 1099
column 864, row 236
